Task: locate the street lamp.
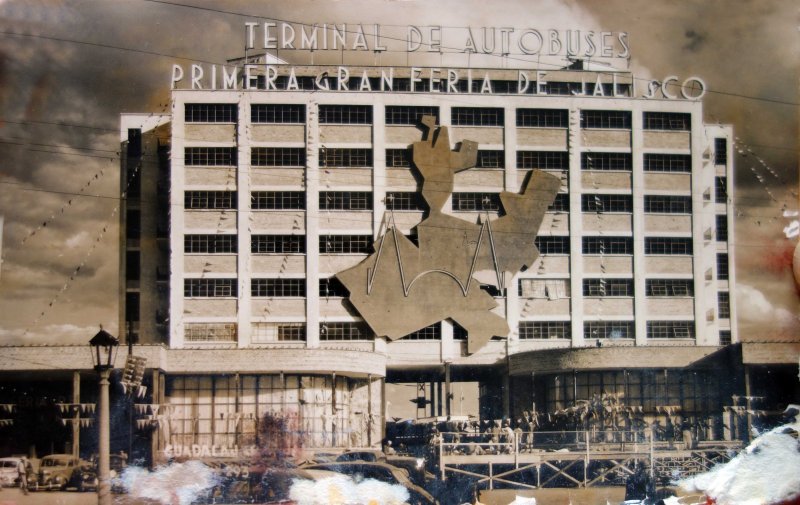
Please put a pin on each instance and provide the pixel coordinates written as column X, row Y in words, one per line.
column 104, row 352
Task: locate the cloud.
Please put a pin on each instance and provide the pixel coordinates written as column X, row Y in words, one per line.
column 756, row 309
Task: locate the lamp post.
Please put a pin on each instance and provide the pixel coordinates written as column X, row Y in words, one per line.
column 104, row 352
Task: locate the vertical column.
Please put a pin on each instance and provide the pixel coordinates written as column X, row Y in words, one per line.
column 243, row 135
column 369, row 410
column 378, row 167
column 177, row 183
column 575, row 227
column 703, row 255
column 312, row 224
column 155, row 440
column 510, row 146
column 447, row 393
column 731, row 212
column 637, row 187
column 76, row 425
column 447, row 345
column 383, row 408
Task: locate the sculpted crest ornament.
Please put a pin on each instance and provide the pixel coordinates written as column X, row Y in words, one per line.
column 402, row 287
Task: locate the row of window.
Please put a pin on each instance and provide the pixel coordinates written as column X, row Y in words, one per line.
column 554, row 289
column 412, row 115
column 531, row 330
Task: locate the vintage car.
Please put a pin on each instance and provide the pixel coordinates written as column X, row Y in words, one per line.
column 89, row 481
column 9, row 473
column 58, row 471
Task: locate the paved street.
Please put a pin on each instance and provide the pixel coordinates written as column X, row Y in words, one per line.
column 13, row 496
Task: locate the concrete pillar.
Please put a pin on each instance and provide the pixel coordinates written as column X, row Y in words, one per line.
column 312, row 224
column 76, row 425
column 244, row 313
column 575, row 227
column 637, row 186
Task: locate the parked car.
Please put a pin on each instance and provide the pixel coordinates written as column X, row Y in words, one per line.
column 9, row 473
column 379, row 471
column 89, row 480
column 58, row 471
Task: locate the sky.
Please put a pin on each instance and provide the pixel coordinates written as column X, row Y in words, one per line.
column 69, row 68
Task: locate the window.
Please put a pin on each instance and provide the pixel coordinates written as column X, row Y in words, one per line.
column 132, row 265
column 210, row 156
column 432, row 332
column 278, row 244
column 277, row 200
column 607, row 245
column 345, row 244
column 331, row 287
column 722, row 228
column 725, row 337
column 605, row 161
column 722, row 267
column 608, row 329
column 345, row 114
column 210, row 112
column 404, row 200
column 345, row 200
column 720, row 151
column 278, row 287
column 724, row 305
column 608, row 287
column 529, row 330
column 398, row 158
column 721, row 189
column 209, row 288
column 132, row 303
column 335, row 157
column 278, row 113
column 134, row 142
column 133, row 224
column 475, row 201
column 548, row 244
column 407, row 115
column 606, row 203
column 668, row 163
column 209, row 200
column 491, row 159
column 667, row 204
column 548, row 289
column 544, row 160
column 611, row 119
column 477, row 116
column 209, row 332
column 560, row 203
column 667, row 121
column 669, row 287
column 344, row 331
column 542, row 118
column 670, row 329
column 278, row 157
column 210, row 244
column 667, row 245
column 278, row 332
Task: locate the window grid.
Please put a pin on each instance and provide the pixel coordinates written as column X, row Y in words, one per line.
column 278, row 157
column 345, row 200
column 491, row 159
column 331, row 287
column 606, row 161
column 277, row 200
column 466, row 202
column 404, row 200
column 195, row 200
column 210, row 244
column 674, row 121
column 345, row 114
column 722, row 228
column 209, row 288
column 725, row 337
column 720, row 151
column 345, row 244
column 542, row 118
column 477, row 116
column 606, row 203
column 722, row 267
column 608, row 329
column 608, row 287
column 670, row 329
column 668, row 245
column 210, row 112
column 548, row 244
column 278, row 113
column 560, row 203
column 432, row 332
column 667, row 204
column 607, row 245
column 544, row 160
column 398, row 158
column 549, row 289
column 529, row 330
column 209, row 332
column 721, row 189
column 409, row 115
column 342, row 157
column 278, row 332
column 210, row 156
column 724, row 305
column 344, row 331
column 274, row 288
column 278, row 244
column 669, row 287
column 681, row 163
column 608, row 119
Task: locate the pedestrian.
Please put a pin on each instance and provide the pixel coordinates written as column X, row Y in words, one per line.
column 22, row 470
